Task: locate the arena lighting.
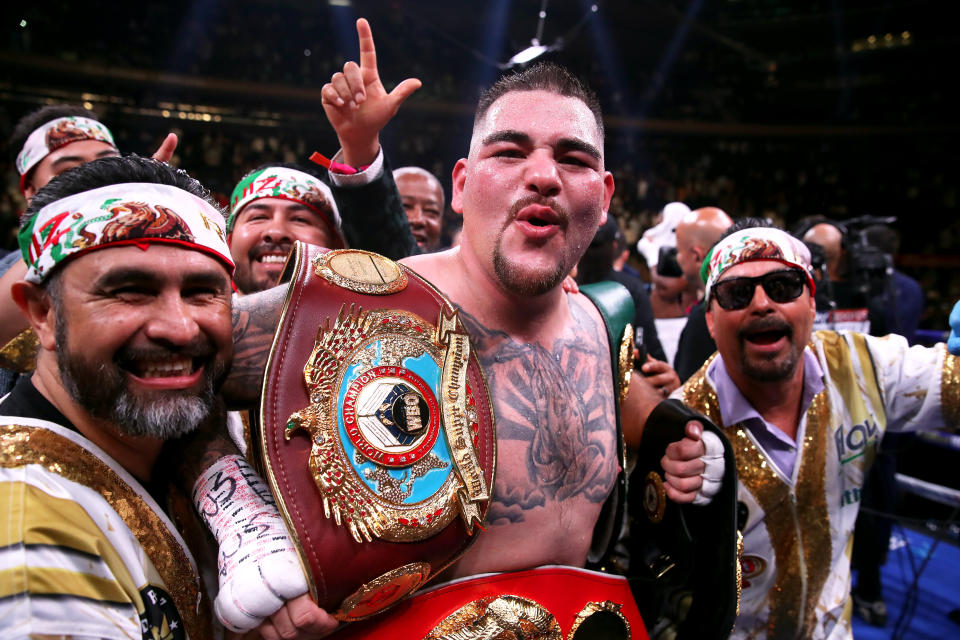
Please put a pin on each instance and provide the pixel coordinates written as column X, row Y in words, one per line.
column 534, row 51
column 536, row 48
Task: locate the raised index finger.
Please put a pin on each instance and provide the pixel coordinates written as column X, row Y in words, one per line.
column 368, row 52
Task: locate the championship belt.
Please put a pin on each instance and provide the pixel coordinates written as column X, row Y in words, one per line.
column 545, row 603
column 376, row 429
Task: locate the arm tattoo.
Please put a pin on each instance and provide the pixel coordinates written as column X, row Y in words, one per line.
column 192, row 454
column 255, row 319
column 556, row 404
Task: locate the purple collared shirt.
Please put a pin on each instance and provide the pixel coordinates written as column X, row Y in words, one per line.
column 780, row 448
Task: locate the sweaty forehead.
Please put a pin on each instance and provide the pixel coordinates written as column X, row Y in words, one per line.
column 544, row 116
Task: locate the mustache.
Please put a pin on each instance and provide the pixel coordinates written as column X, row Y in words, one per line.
column 562, row 214
column 765, row 324
column 269, row 247
column 196, row 348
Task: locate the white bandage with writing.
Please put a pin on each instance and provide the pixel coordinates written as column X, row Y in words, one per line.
column 259, row 566
column 713, row 468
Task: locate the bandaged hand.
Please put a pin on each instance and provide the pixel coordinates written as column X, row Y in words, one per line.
column 693, row 466
column 953, row 342
column 258, row 564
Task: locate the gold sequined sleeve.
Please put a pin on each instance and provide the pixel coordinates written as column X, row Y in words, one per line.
column 950, row 391
column 20, row 354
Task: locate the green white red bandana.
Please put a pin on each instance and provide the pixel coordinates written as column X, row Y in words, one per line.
column 120, row 214
column 287, row 184
column 756, row 243
column 52, row 135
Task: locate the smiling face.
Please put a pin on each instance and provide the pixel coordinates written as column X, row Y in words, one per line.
column 533, row 190
column 143, row 338
column 764, row 341
column 263, row 235
column 422, row 198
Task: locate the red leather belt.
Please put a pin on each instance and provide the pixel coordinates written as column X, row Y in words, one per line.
column 376, row 431
column 546, row 602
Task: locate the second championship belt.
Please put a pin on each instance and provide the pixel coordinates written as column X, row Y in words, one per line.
column 376, row 429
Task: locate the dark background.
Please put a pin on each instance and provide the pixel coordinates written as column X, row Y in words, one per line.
column 782, row 108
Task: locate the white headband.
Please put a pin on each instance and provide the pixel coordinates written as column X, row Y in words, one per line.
column 120, row 214
column 52, row 135
column 287, row 184
column 755, row 243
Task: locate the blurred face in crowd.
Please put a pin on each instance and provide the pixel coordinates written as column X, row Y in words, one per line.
column 66, row 157
column 422, row 198
column 533, row 190
column 168, row 344
column 764, row 341
column 263, row 235
column 689, row 257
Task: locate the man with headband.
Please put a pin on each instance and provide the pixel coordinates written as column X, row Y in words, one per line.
column 535, row 176
column 128, row 290
column 47, row 142
column 270, row 208
column 805, row 412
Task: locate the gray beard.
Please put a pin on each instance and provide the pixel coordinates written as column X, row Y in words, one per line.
column 101, row 391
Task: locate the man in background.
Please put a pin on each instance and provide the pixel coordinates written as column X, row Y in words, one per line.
column 697, row 232
column 423, row 202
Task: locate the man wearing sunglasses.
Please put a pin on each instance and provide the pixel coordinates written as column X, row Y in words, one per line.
column 804, row 412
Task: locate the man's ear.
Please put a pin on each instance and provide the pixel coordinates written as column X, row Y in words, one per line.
column 608, row 189
column 37, row 307
column 459, row 180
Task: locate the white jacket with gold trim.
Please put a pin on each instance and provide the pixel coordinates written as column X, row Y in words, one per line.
column 799, row 531
column 84, row 550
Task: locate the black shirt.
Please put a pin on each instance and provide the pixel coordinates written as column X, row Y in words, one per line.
column 695, row 344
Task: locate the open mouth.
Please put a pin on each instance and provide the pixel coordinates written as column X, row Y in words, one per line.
column 172, row 367
column 766, row 332
column 271, row 258
column 766, row 337
column 539, row 216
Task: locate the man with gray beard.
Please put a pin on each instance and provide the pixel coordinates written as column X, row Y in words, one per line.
column 128, row 291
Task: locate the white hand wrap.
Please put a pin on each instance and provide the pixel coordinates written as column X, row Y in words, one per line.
column 713, row 468
column 259, row 566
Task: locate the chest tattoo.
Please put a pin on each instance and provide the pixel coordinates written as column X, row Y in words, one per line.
column 556, row 407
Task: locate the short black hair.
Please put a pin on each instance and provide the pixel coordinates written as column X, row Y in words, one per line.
column 543, row 76
column 38, row 117
column 114, row 170
column 745, row 223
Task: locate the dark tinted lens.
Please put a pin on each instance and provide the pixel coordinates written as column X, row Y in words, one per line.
column 780, row 286
column 784, row 286
column 735, row 293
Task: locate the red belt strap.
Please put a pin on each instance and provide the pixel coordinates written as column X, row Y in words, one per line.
column 567, row 594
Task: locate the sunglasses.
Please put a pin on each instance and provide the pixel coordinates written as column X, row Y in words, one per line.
column 733, row 294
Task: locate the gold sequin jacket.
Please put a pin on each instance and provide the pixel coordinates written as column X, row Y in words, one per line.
column 799, row 530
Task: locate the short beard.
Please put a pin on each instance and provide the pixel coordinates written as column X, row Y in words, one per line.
column 771, row 370
column 100, row 389
column 243, row 274
column 526, row 282
column 520, row 282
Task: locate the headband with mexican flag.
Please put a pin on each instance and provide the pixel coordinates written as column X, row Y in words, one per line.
column 57, row 133
column 120, row 214
column 755, row 243
column 287, row 184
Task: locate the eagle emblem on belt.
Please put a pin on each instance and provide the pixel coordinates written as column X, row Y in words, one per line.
column 393, row 424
